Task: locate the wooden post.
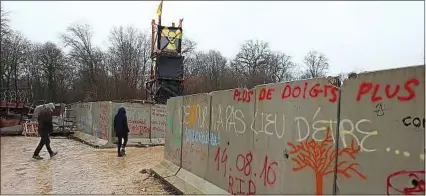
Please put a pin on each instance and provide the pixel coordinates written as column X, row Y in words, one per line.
column 152, row 37
column 159, row 19
column 181, row 31
column 180, row 23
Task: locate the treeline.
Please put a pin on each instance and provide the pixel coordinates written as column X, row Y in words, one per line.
column 77, row 70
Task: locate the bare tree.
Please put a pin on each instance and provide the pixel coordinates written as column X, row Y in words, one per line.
column 129, row 56
column 4, row 21
column 209, row 71
column 252, row 62
column 86, row 73
column 188, row 46
column 316, row 64
column 188, row 51
column 344, row 76
column 281, row 68
column 51, row 60
column 13, row 53
column 88, row 58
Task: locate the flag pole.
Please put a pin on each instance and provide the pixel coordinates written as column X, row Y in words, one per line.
column 161, row 13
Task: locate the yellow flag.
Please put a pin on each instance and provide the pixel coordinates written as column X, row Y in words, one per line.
column 160, row 8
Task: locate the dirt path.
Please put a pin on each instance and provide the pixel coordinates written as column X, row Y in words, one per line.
column 77, row 169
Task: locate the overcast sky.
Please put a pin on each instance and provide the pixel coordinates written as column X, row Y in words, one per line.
column 355, row 36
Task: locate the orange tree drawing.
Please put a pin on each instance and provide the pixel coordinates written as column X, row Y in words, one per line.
column 319, row 156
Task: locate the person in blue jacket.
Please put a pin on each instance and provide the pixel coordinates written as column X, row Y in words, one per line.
column 121, row 130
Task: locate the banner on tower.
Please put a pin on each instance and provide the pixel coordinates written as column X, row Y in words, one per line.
column 170, row 39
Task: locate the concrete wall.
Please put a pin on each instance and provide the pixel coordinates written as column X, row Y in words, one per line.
column 96, row 119
column 158, row 120
column 383, row 113
column 138, row 118
column 282, row 138
column 174, row 133
column 84, row 117
column 195, row 138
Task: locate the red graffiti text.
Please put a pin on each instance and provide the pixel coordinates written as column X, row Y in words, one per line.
column 266, row 93
column 104, row 120
column 138, row 126
column 390, row 91
column 238, row 186
column 221, row 159
column 296, row 91
column 241, row 175
column 268, row 173
column 243, row 95
column 243, row 163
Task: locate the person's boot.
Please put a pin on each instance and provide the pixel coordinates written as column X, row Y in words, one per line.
column 53, row 154
column 119, row 152
column 38, row 157
column 123, row 151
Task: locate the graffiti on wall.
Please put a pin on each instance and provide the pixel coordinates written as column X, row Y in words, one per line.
column 195, row 136
column 241, row 169
column 401, row 92
column 104, row 120
column 319, row 157
column 85, row 117
column 158, row 119
column 96, row 119
column 176, row 132
column 195, row 115
column 414, row 121
column 373, row 90
column 138, row 119
column 232, row 119
column 196, row 121
column 289, row 91
column 200, row 137
column 406, row 182
column 242, row 165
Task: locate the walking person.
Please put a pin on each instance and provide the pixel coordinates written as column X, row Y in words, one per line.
column 121, row 131
column 45, row 127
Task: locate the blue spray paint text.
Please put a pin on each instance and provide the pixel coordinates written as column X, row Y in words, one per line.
column 201, row 137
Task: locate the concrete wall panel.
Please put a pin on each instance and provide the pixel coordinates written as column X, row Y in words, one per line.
column 196, row 124
column 158, row 120
column 89, row 119
column 78, row 113
column 231, row 139
column 290, row 121
column 383, row 114
column 138, row 118
column 173, row 135
column 95, row 119
column 105, row 117
column 281, row 138
column 85, row 117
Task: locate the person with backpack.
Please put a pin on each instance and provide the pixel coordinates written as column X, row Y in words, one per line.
column 45, row 127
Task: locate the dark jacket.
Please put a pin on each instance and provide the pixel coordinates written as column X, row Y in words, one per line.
column 120, row 123
column 45, row 124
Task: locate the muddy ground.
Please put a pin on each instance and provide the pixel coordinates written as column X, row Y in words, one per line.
column 77, row 169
